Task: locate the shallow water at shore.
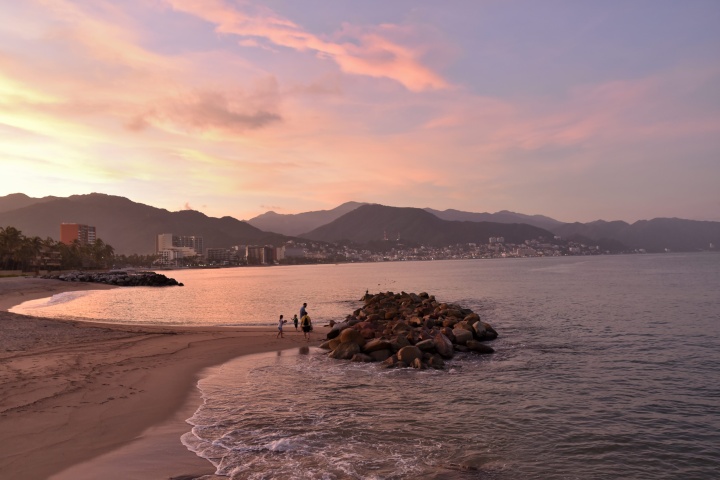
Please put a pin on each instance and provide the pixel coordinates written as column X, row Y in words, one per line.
column 605, row 368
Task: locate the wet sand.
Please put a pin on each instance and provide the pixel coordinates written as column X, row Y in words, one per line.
column 83, row 400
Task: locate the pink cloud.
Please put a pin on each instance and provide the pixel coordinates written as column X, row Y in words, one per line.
column 367, row 52
column 206, row 110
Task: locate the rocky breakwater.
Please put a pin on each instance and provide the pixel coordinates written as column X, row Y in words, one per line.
column 121, row 279
column 408, row 330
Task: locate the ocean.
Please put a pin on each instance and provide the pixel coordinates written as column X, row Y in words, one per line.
column 606, row 367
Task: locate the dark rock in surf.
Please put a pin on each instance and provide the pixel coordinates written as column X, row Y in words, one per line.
column 443, row 346
column 409, row 354
column 350, row 335
column 345, row 351
column 361, row 357
column 118, row 278
column 377, row 344
column 478, row 347
column 408, row 330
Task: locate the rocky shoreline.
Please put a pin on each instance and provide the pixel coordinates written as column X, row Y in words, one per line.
column 408, row 330
column 118, row 278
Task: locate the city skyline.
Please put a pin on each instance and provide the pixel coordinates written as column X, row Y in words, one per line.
column 575, row 110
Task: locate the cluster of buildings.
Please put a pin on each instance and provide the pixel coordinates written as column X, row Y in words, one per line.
column 173, row 248
column 176, row 250
column 495, row 248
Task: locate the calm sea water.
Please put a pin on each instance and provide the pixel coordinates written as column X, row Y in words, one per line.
column 606, row 367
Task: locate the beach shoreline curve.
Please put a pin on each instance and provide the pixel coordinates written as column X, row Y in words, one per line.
column 98, row 400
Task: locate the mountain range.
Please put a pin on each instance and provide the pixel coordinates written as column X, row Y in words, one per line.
column 128, row 226
column 299, row 223
column 374, row 222
column 132, row 227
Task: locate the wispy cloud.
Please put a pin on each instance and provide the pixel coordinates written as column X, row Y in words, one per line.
column 356, row 50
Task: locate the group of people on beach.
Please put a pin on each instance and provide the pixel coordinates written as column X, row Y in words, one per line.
column 304, row 322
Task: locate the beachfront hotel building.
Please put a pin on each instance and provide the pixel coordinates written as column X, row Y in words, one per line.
column 261, row 255
column 85, row 234
column 172, row 248
column 168, row 241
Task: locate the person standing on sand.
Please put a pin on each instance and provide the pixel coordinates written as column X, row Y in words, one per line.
column 295, row 321
column 280, row 326
column 306, row 325
column 303, row 310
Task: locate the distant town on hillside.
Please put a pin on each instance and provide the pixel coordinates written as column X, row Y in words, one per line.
column 132, row 233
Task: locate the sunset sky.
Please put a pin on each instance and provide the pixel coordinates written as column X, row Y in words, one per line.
column 579, row 110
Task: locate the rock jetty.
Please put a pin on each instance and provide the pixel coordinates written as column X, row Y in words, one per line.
column 119, row 278
column 408, row 330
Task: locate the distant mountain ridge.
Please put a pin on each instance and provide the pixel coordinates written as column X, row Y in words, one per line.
column 656, row 235
column 20, row 200
column 298, row 223
column 128, row 226
column 295, row 224
column 132, row 227
column 503, row 216
column 374, row 222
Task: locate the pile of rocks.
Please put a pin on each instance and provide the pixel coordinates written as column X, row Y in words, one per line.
column 119, row 278
column 408, row 330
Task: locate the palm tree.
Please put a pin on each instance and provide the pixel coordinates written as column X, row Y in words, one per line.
column 11, row 241
column 29, row 254
column 51, row 256
column 102, row 253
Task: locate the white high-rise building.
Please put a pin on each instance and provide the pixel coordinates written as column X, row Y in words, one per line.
column 168, row 241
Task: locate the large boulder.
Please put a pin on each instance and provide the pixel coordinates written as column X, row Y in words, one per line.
column 435, row 361
column 449, row 322
column 400, row 327
column 333, row 344
column 345, row 351
column 380, row 355
column 390, row 362
column 377, row 344
column 409, row 354
column 390, row 314
column 426, row 345
column 350, row 335
column 478, row 347
column 443, row 346
column 490, row 333
column 361, row 357
column 462, row 335
column 368, row 333
column 483, row 331
column 448, row 332
column 464, row 325
column 399, row 342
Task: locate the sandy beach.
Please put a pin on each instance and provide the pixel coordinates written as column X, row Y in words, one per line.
column 83, row 400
